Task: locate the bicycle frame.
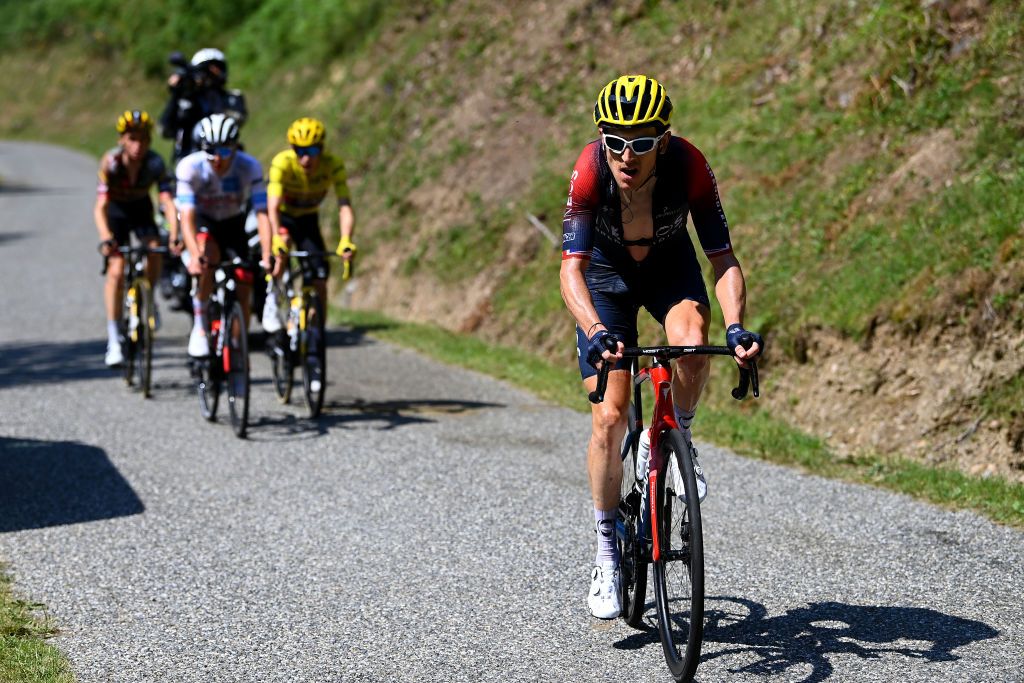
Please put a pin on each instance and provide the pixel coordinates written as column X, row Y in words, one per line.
column 663, row 419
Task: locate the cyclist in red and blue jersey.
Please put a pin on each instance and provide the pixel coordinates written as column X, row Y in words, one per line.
column 626, row 246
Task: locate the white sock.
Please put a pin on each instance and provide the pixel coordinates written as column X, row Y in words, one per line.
column 198, row 310
column 607, row 547
column 112, row 332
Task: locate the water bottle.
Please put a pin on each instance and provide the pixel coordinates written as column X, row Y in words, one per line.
column 643, row 456
column 293, row 322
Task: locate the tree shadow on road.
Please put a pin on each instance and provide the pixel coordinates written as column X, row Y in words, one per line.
column 801, row 640
column 49, row 483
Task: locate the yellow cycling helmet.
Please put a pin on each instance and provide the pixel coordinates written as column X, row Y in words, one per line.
column 633, row 102
column 134, row 121
column 305, row 132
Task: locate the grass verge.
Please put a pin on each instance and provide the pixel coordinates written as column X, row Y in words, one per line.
column 25, row 656
column 749, row 431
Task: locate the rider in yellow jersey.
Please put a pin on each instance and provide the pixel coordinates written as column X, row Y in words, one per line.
column 300, row 178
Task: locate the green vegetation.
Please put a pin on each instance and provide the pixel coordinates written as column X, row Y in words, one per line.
column 25, row 657
column 744, row 427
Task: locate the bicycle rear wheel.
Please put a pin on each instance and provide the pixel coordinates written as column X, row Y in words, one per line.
column 632, row 545
column 314, row 356
column 281, row 365
column 130, row 333
column 236, row 366
column 679, row 566
column 146, row 325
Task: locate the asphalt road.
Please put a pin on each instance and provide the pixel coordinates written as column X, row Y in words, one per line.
column 433, row 525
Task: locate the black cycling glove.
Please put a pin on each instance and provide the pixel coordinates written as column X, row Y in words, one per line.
column 602, row 341
column 735, row 336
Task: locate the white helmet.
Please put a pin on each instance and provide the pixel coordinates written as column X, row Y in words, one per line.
column 212, row 61
column 214, row 130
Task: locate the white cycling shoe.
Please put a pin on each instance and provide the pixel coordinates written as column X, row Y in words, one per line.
column 676, row 478
column 271, row 317
column 604, row 600
column 114, row 355
column 198, row 344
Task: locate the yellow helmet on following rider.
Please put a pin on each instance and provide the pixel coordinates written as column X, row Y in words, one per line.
column 633, row 102
column 134, row 121
column 306, row 132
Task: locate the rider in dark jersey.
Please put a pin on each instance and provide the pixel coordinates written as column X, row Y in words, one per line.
column 626, row 246
column 127, row 175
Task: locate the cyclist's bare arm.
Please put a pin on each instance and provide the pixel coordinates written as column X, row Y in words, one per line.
column 731, row 292
column 577, row 299
column 264, row 230
column 274, row 202
column 99, row 213
column 188, row 233
column 171, row 215
column 346, row 221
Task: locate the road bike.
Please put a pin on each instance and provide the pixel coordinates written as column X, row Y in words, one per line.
column 302, row 341
column 227, row 365
column 137, row 324
column 659, row 521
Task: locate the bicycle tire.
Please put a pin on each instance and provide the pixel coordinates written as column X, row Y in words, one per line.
column 147, row 325
column 282, row 368
column 208, row 371
column 632, row 547
column 236, row 366
column 314, row 363
column 129, row 334
column 679, row 569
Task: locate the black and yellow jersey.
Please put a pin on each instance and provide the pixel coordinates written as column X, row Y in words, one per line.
column 303, row 193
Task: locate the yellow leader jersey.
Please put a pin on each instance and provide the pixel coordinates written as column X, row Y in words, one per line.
column 303, row 193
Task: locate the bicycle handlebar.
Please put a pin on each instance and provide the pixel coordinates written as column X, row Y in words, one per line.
column 748, row 380
column 131, row 250
column 346, row 274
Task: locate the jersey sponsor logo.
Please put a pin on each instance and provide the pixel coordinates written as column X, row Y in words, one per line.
column 568, row 236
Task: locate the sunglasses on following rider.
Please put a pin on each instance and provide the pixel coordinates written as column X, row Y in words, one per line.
column 222, row 151
column 310, row 151
column 638, row 145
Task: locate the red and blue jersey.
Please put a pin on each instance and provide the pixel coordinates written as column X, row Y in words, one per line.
column 685, row 185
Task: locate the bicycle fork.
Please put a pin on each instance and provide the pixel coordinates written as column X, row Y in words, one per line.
column 663, row 420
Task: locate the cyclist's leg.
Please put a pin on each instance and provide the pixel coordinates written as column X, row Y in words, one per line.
column 234, row 243
column 679, row 301
column 113, row 289
column 315, row 270
column 687, row 324
column 604, row 463
column 209, row 252
column 149, row 236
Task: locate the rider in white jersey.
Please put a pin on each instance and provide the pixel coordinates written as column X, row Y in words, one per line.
column 215, row 185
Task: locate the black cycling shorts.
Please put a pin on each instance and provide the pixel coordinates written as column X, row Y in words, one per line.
column 655, row 284
column 228, row 234
column 125, row 218
column 304, row 232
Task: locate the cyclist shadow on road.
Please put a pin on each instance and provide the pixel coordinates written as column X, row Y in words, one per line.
column 32, row 363
column 49, row 483
column 803, row 638
column 361, row 414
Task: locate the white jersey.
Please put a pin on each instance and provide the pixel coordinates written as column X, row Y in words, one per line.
column 220, row 197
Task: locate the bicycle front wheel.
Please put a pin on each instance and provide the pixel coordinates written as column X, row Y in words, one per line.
column 146, row 326
column 679, row 563
column 208, row 372
column 236, row 366
column 632, row 544
column 314, row 356
column 130, row 333
column 281, row 366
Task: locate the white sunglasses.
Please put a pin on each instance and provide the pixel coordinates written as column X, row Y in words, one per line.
column 639, row 146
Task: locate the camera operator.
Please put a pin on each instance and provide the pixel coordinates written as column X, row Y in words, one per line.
column 198, row 90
